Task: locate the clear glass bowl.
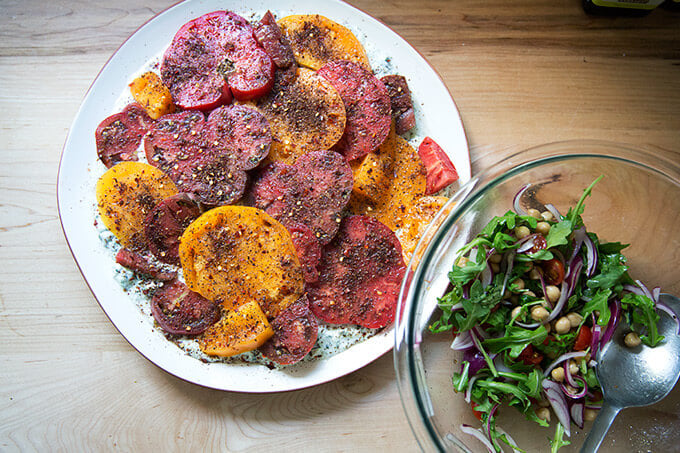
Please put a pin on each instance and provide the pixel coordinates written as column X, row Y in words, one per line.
column 637, row 202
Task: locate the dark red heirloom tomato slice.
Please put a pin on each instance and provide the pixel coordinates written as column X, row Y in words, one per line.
column 313, row 191
column 439, row 168
column 307, row 248
column 180, row 311
column 583, row 339
column 295, row 332
column 360, row 273
column 141, row 264
column 367, row 106
column 119, row 135
column 165, row 224
column 553, row 271
column 269, row 36
column 529, row 356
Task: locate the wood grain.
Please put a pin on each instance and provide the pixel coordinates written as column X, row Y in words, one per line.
column 522, row 73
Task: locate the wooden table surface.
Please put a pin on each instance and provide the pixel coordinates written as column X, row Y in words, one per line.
column 522, row 73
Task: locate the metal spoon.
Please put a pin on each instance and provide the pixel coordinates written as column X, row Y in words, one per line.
column 635, row 377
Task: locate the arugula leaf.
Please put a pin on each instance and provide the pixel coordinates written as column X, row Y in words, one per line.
column 559, row 233
column 477, row 307
column 612, row 271
column 609, row 248
column 643, row 313
column 516, row 339
column 445, row 303
column 599, row 302
column 541, row 255
column 465, row 274
column 558, row 345
column 574, row 214
column 460, row 380
column 558, row 441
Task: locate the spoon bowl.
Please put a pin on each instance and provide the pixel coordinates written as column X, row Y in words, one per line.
column 637, row 376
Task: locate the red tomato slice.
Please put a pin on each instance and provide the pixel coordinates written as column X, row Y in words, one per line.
column 440, row 169
column 583, row 339
column 530, row 357
column 539, row 243
column 553, row 271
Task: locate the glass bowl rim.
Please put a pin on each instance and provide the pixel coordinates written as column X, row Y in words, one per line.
column 415, row 400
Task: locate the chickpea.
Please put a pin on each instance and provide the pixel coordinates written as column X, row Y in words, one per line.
column 543, row 228
column 522, row 232
column 496, row 258
column 573, row 368
column 575, row 319
column 495, row 268
column 557, row 374
column 535, row 213
column 547, row 216
column 543, row 403
column 589, row 415
column 632, row 340
column 562, row 325
column 553, row 293
column 543, row 413
column 516, row 311
column 507, row 294
column 530, row 266
column 539, row 313
column 530, row 293
column 519, row 284
column 535, row 273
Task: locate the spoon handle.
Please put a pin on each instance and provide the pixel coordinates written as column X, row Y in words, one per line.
column 600, row 427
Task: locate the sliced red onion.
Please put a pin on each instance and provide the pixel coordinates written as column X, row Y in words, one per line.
column 595, row 340
column 468, row 391
column 656, row 293
column 510, row 258
column 615, row 308
column 578, row 395
column 573, row 274
column 487, row 275
column 579, row 237
column 515, row 201
column 559, row 404
column 644, row 289
column 476, row 360
column 592, row 363
column 462, row 341
column 528, row 326
column 562, row 358
column 477, row 434
column 669, row 311
column 591, row 256
column 526, row 243
column 567, row 374
column 561, row 302
column 457, row 306
column 481, row 333
column 487, row 425
column 633, row 289
column 576, row 411
column 553, row 210
column 593, row 406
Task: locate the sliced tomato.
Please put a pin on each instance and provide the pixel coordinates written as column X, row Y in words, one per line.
column 529, row 356
column 477, row 414
column 539, row 243
column 553, row 271
column 439, row 168
column 583, row 339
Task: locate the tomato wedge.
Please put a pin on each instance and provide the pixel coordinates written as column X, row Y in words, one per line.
column 583, row 339
column 439, row 168
column 477, row 414
column 553, row 271
column 529, row 356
